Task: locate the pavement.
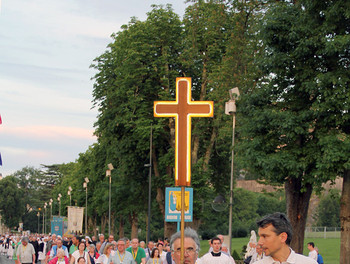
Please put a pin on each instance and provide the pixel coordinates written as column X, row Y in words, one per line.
column 5, row 260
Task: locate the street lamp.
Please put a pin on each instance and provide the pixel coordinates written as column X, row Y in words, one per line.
column 44, row 215
column 59, row 204
column 85, row 186
column 230, row 109
column 38, row 214
column 109, row 174
column 70, row 195
column 50, row 203
column 149, row 187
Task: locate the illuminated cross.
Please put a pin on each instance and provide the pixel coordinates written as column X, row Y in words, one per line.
column 183, row 109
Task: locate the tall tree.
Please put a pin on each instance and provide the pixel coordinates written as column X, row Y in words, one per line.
column 11, row 201
column 138, row 67
column 289, row 115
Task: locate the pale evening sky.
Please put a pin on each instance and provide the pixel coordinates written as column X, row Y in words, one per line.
column 46, row 48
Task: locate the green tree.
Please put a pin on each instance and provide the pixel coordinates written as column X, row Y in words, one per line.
column 300, row 102
column 328, row 210
column 11, row 201
column 139, row 65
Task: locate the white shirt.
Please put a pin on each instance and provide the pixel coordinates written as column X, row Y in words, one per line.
column 293, row 258
column 102, row 259
column 163, row 256
column 313, row 254
column 210, row 259
column 76, row 255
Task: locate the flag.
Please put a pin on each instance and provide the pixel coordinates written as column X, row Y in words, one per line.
column 0, row 160
column 0, row 120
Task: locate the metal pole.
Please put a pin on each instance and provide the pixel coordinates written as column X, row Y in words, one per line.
column 149, row 188
column 86, row 211
column 38, row 221
column 43, row 223
column 109, row 210
column 182, row 225
column 231, row 183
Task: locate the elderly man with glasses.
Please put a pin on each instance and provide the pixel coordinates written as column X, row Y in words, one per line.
column 191, row 246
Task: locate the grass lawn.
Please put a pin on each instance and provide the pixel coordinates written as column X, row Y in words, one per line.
column 329, row 247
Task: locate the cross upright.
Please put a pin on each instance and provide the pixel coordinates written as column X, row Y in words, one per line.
column 183, row 109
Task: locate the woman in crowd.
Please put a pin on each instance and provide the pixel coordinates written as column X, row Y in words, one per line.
column 104, row 258
column 60, row 258
column 80, row 253
column 92, row 253
column 155, row 257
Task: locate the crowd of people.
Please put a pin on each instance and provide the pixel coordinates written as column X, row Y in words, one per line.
column 273, row 246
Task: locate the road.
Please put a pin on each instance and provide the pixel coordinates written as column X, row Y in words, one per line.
column 5, row 260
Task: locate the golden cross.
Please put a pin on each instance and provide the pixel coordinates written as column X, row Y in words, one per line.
column 183, row 109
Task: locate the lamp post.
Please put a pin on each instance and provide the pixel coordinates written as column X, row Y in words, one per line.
column 109, row 174
column 50, row 203
column 44, row 216
column 149, row 187
column 38, row 214
column 70, row 195
column 59, row 204
column 230, row 109
column 86, row 190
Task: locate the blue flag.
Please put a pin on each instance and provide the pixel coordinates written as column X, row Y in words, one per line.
column 0, row 160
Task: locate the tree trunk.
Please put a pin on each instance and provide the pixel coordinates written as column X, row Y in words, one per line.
column 195, row 138
column 195, row 224
column 134, row 225
column 345, row 220
column 209, row 149
column 103, row 223
column 113, row 227
column 94, row 227
column 91, row 225
column 297, row 207
column 121, row 227
column 169, row 229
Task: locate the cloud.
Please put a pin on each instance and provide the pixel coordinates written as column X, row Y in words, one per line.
column 48, row 132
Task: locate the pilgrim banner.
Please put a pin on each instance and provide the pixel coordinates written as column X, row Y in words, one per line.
column 57, row 226
column 75, row 219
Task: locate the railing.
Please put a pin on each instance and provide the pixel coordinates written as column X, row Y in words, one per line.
column 322, row 232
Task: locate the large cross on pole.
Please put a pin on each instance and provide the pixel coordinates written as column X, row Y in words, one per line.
column 183, row 109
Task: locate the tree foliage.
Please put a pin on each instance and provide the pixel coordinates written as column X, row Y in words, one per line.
column 300, row 102
column 328, row 211
column 11, row 201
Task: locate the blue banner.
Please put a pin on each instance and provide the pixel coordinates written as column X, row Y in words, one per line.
column 57, row 225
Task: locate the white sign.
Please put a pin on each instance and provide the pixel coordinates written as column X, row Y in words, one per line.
column 75, row 219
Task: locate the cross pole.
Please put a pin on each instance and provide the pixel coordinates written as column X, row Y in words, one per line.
column 183, row 109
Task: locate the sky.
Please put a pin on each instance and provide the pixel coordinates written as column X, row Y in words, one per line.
column 46, row 49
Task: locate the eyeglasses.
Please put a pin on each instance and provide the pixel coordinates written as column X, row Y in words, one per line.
column 189, row 250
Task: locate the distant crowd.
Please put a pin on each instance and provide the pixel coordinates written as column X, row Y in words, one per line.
column 275, row 234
